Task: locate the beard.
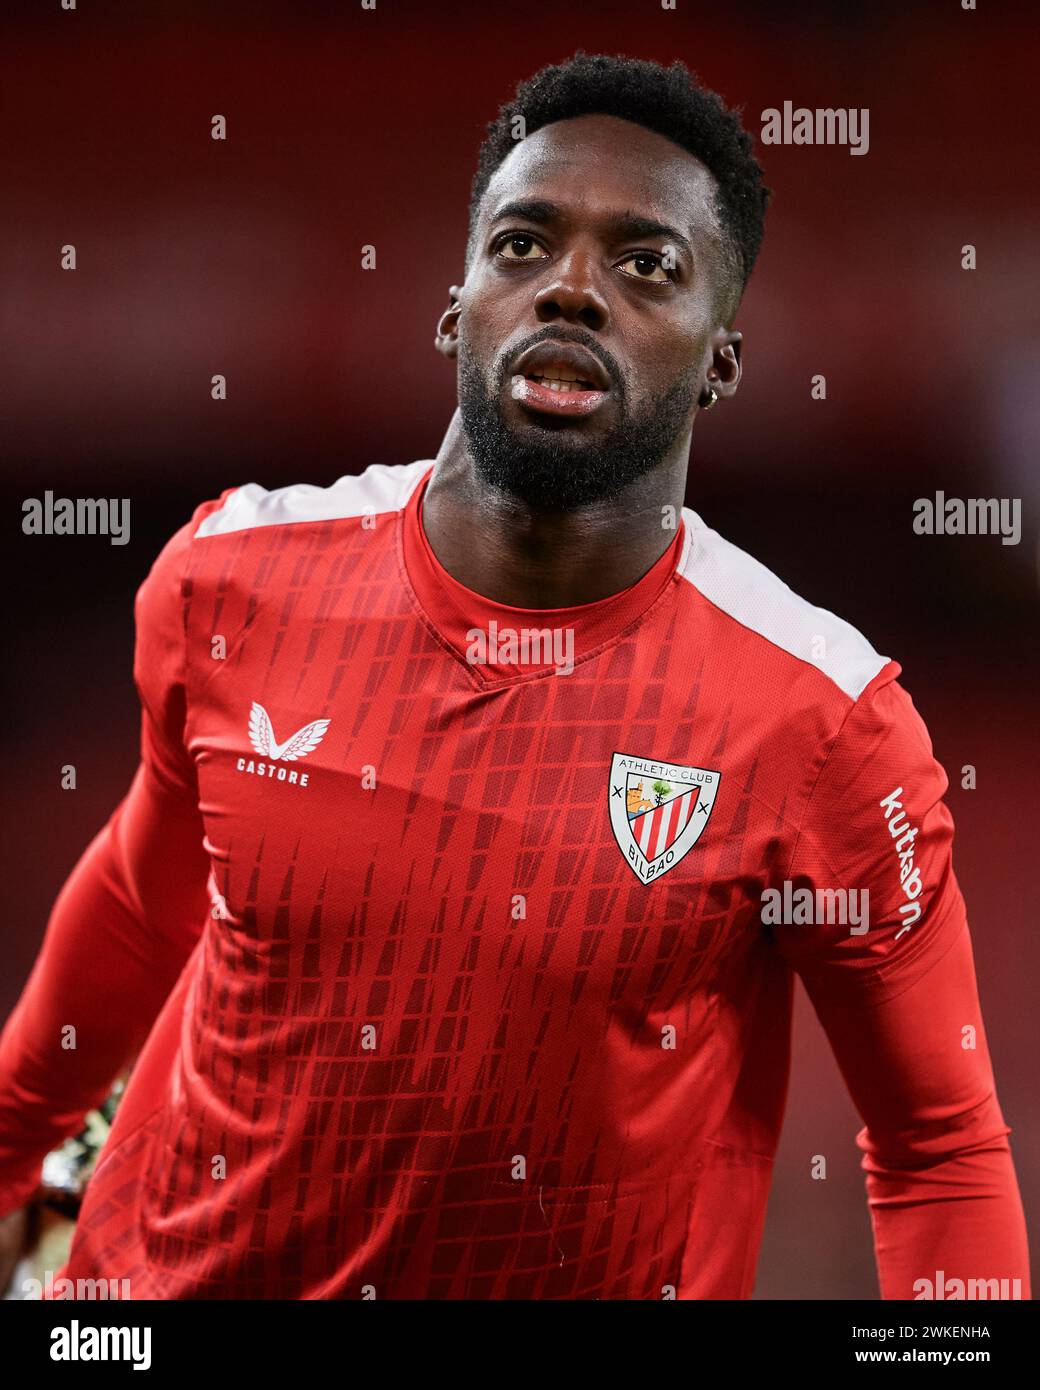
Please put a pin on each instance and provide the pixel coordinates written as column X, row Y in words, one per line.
column 555, row 467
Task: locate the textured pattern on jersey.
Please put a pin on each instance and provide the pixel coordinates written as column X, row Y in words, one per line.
column 434, row 1038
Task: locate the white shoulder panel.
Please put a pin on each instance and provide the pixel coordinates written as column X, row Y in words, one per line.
column 753, row 595
column 381, row 488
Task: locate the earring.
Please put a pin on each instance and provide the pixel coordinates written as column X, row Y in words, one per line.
column 713, row 396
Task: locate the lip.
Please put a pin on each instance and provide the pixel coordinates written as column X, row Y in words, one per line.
column 579, row 359
column 549, row 402
column 541, row 398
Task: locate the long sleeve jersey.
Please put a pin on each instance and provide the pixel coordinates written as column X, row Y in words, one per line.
column 455, row 942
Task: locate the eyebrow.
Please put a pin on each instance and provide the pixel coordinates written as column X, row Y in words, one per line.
column 620, row 226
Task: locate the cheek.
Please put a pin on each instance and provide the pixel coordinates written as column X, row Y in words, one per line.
column 473, row 358
column 671, row 358
column 484, row 326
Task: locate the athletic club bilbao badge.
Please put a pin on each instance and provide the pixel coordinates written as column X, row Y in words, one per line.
column 658, row 811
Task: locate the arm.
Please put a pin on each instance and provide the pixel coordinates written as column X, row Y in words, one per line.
column 940, row 1180
column 123, row 924
column 900, row 1006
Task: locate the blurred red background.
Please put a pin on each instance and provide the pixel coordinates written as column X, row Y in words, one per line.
column 349, row 127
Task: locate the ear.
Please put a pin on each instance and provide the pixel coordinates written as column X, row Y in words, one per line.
column 723, row 375
column 446, row 339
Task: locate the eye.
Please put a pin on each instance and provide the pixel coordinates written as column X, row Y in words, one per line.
column 646, row 263
column 521, row 244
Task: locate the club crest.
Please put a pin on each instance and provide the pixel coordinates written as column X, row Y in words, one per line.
column 658, row 811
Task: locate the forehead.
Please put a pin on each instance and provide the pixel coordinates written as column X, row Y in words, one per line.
column 602, row 163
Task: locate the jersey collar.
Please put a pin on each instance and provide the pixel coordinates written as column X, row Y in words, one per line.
column 500, row 644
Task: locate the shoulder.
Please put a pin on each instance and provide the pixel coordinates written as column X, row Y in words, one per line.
column 743, row 591
column 381, row 488
column 181, row 566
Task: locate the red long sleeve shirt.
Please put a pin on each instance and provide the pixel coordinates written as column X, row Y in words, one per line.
column 463, row 976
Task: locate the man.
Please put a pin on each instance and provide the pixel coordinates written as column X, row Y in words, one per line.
column 468, row 791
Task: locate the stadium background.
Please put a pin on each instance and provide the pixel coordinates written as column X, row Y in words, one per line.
column 349, row 127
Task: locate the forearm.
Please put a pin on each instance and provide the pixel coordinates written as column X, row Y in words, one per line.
column 119, row 934
column 940, row 1181
column 953, row 1227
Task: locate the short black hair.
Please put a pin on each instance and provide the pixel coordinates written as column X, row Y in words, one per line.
column 670, row 101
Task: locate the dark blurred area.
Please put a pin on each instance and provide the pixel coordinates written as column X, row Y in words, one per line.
column 349, row 127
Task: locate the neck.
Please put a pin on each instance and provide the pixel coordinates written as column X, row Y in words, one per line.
column 501, row 549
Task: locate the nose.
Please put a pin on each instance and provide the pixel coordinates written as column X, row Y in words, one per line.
column 573, row 293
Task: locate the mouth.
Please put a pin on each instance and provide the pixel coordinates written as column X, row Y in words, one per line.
column 559, row 379
column 557, row 397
